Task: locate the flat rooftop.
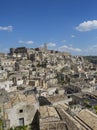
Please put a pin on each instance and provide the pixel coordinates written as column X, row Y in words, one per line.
column 48, row 113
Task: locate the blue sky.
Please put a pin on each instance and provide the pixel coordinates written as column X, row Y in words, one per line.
column 65, row 25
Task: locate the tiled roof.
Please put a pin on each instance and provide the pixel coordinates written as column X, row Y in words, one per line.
column 88, row 118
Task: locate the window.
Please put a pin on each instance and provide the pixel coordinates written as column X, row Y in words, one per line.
column 21, row 110
column 21, row 121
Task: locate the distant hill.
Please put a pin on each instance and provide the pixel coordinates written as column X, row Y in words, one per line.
column 92, row 59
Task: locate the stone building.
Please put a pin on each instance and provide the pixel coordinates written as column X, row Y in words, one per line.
column 20, row 110
column 20, row 52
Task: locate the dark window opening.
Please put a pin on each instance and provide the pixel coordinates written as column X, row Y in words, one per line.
column 21, row 110
column 21, row 121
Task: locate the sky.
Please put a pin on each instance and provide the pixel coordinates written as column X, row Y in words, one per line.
column 65, row 25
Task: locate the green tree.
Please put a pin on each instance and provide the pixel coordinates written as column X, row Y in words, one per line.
column 19, row 128
column 1, row 124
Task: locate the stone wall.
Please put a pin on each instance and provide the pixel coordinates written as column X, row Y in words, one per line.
column 53, row 126
column 21, row 110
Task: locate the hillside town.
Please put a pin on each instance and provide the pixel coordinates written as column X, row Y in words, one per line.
column 42, row 89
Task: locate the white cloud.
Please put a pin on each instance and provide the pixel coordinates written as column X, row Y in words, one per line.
column 70, row 49
column 29, row 42
column 51, row 44
column 6, row 28
column 6, row 50
column 72, row 36
column 42, row 45
column 63, row 40
column 92, row 50
column 87, row 26
column 25, row 42
column 20, row 41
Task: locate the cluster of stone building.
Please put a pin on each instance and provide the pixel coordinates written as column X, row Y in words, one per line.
column 47, row 89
